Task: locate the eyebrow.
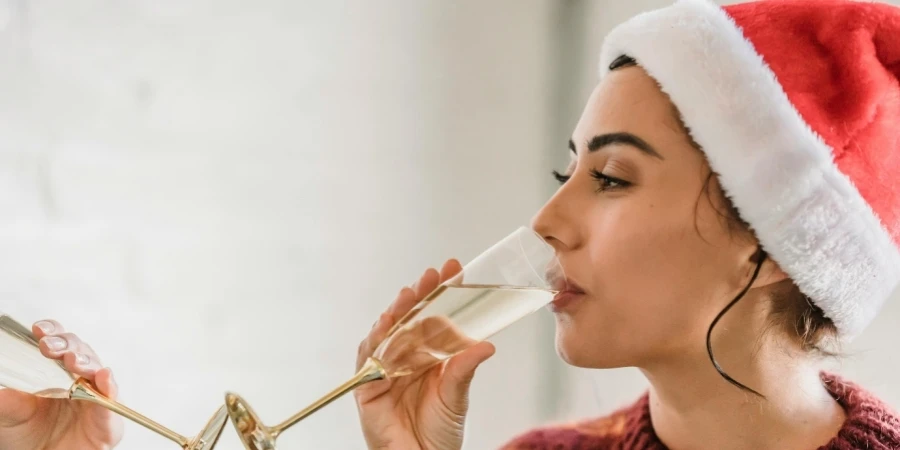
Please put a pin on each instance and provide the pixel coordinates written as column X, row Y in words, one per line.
column 604, row 140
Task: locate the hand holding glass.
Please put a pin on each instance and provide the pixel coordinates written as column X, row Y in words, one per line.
column 25, row 369
column 517, row 276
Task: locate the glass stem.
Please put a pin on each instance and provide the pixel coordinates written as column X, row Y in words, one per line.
column 82, row 390
column 372, row 370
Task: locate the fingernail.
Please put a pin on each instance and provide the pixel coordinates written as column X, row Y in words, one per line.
column 82, row 359
column 46, row 327
column 56, row 343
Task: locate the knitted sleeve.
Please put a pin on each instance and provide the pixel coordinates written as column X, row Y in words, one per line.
column 559, row 438
column 627, row 429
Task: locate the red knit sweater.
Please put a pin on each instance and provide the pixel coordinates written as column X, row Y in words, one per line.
column 870, row 425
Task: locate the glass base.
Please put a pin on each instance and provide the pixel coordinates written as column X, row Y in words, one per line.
column 250, row 428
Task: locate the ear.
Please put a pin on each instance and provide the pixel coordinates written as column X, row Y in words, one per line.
column 770, row 272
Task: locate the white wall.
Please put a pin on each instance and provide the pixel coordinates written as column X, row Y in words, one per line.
column 224, row 195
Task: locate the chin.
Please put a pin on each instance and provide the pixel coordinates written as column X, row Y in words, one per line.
column 578, row 352
column 587, row 351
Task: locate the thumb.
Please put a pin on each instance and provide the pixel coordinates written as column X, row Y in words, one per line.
column 458, row 374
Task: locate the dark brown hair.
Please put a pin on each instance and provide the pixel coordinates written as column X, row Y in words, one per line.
column 792, row 312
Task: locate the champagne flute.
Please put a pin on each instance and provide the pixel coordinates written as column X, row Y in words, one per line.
column 515, row 277
column 25, row 369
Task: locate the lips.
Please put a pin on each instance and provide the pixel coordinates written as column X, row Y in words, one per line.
column 568, row 292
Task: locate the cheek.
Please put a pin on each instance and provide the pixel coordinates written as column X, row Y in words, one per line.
column 652, row 278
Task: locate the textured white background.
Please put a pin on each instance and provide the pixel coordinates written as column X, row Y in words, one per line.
column 224, row 194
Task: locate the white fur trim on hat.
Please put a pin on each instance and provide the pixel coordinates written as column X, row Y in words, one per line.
column 778, row 172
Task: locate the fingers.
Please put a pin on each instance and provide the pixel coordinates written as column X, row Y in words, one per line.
column 458, row 374
column 421, row 344
column 376, row 336
column 46, row 327
column 451, row 268
column 112, row 429
column 77, row 356
column 405, row 301
column 409, row 296
column 81, row 364
column 366, row 349
column 392, row 320
column 57, row 345
column 440, row 334
column 427, row 283
column 106, row 384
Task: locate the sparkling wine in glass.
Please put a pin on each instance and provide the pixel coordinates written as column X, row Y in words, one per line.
column 25, row 369
column 517, row 276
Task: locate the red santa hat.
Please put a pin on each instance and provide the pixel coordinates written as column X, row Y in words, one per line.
column 796, row 104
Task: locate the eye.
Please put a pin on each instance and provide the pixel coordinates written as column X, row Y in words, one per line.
column 561, row 178
column 607, row 182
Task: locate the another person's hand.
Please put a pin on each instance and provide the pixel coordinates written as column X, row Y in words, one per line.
column 28, row 422
column 425, row 410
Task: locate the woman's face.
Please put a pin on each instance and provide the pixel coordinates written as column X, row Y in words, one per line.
column 634, row 229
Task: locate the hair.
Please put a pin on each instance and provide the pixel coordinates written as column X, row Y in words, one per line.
column 791, row 311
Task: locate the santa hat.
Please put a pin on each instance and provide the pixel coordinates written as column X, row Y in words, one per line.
column 796, row 104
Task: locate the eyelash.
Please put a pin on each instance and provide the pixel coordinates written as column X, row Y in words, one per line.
column 603, row 180
column 560, row 177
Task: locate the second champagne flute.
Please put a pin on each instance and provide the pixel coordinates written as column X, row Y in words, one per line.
column 25, row 369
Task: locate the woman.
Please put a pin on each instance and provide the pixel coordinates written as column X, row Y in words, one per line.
column 731, row 210
column 735, row 168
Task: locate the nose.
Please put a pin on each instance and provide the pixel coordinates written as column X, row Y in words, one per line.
column 553, row 223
